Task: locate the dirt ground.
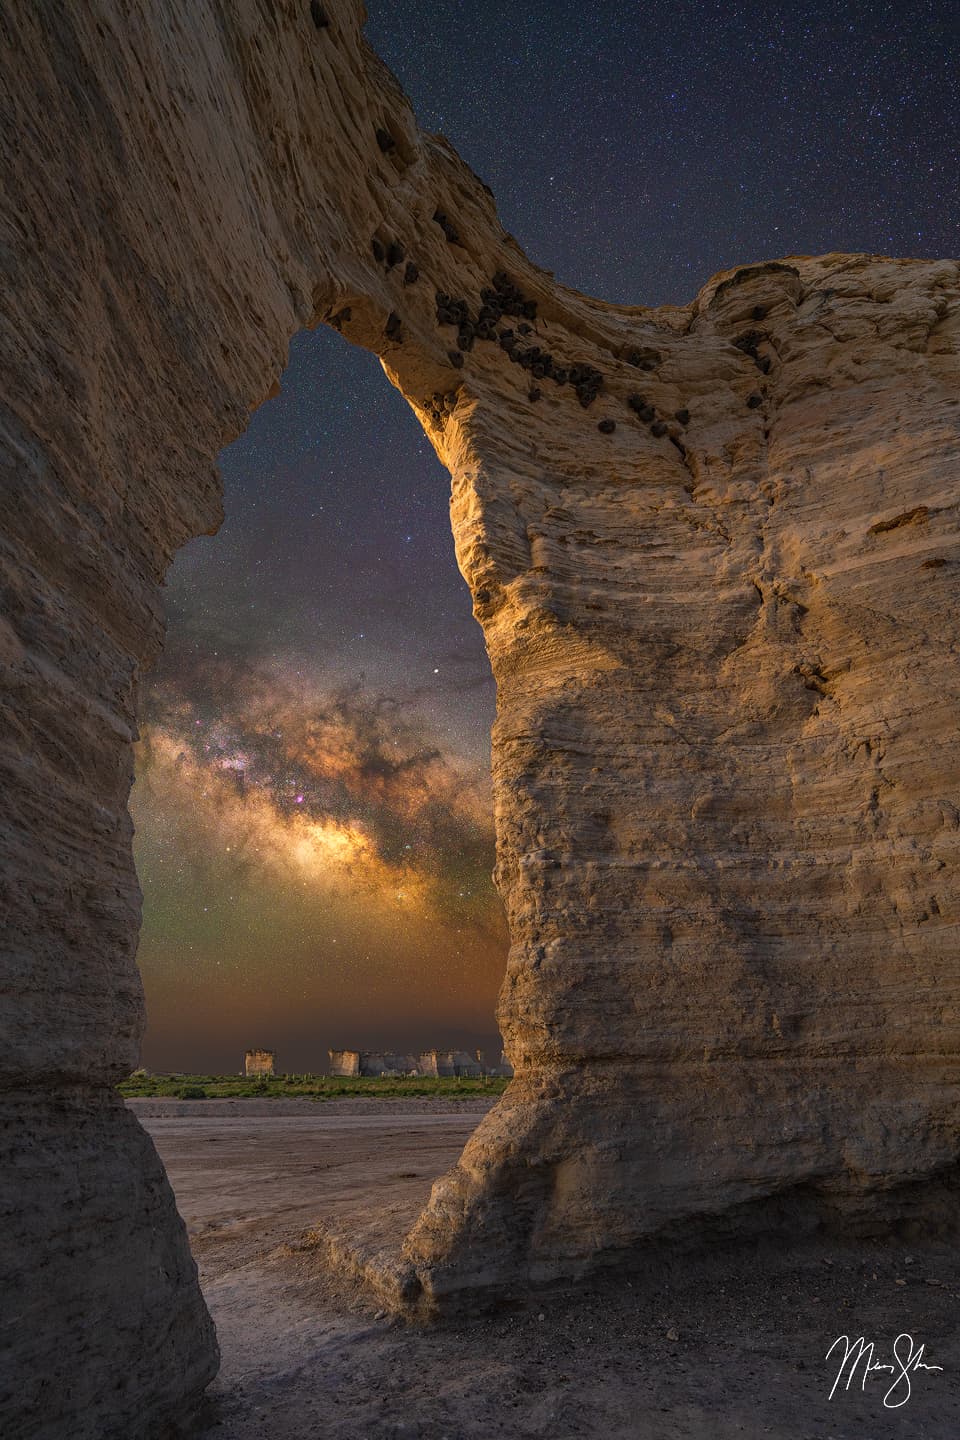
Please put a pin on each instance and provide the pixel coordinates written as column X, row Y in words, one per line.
column 730, row 1344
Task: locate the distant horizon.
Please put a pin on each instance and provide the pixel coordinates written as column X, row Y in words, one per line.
column 218, row 1061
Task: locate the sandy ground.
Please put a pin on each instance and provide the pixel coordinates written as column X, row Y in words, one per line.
column 731, row 1344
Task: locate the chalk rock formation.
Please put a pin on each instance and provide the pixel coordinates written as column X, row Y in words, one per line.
column 258, row 1063
column 726, row 764
column 713, row 550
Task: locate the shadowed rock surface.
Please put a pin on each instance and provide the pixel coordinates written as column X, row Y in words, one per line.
column 723, row 632
column 728, row 1340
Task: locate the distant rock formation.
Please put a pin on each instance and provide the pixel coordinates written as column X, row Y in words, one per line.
column 259, row 1063
column 345, row 1063
column 713, row 549
column 431, row 1063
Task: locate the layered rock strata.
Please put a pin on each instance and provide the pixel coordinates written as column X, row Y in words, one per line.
column 714, row 553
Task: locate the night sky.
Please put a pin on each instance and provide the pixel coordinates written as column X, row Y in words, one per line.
column 314, row 834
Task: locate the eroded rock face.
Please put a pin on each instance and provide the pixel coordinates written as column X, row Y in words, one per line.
column 726, row 762
column 713, row 550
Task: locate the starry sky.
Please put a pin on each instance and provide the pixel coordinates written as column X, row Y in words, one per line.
column 313, row 811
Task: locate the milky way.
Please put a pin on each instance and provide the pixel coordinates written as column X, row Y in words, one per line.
column 321, row 865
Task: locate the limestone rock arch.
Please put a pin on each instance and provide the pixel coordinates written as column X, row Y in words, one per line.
column 715, row 561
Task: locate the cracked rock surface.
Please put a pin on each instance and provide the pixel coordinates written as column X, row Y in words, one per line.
column 724, row 634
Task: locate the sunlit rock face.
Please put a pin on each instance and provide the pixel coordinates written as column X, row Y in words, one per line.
column 713, row 551
column 726, row 763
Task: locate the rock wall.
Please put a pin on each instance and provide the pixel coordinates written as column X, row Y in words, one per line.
column 726, row 761
column 714, row 553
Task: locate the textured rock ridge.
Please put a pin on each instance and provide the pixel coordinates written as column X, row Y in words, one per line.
column 713, row 551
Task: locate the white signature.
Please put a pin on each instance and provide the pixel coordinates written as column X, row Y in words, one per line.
column 906, row 1359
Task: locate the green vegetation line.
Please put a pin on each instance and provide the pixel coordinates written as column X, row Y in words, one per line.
column 311, row 1087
